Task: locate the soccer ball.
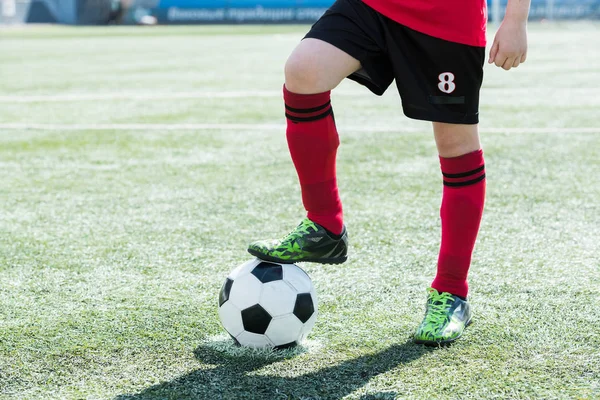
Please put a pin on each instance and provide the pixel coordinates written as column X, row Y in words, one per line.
column 264, row 304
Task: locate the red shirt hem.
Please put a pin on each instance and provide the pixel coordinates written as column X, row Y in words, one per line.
column 441, row 19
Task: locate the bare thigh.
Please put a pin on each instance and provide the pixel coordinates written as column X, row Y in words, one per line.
column 316, row 66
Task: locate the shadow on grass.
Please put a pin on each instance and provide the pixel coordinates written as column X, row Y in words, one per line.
column 231, row 377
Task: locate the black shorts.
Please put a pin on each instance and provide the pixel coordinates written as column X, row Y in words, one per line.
column 437, row 80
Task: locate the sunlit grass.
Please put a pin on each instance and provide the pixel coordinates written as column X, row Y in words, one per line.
column 114, row 243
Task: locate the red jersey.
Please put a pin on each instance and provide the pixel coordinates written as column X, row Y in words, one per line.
column 460, row 21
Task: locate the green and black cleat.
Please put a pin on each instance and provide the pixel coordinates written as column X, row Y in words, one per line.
column 445, row 320
column 309, row 242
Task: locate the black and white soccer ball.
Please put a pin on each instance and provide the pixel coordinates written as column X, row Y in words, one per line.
column 265, row 304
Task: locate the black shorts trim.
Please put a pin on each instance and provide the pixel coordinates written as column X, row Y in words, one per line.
column 439, row 116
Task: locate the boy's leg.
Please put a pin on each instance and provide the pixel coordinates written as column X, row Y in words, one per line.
column 346, row 42
column 313, row 69
column 463, row 171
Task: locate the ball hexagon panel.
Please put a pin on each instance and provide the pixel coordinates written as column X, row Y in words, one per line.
column 245, row 291
column 225, row 290
column 284, row 330
column 268, row 272
column 256, row 319
column 304, row 307
column 231, row 318
column 253, row 340
column 278, row 298
column 297, row 278
column 244, row 269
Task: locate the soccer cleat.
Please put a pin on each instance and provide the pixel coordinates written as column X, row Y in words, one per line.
column 446, row 318
column 308, row 242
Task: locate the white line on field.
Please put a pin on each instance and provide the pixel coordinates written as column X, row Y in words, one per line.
column 266, row 127
column 149, row 96
column 132, row 96
column 139, row 96
column 141, row 127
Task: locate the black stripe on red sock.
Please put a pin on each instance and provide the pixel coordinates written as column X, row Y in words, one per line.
column 465, row 183
column 316, row 117
column 307, row 110
column 464, row 178
column 464, row 174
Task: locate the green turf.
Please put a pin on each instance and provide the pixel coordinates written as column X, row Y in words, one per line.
column 115, row 239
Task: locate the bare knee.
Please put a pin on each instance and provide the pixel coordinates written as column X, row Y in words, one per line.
column 453, row 140
column 302, row 77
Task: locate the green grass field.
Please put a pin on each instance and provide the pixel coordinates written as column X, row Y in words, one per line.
column 137, row 163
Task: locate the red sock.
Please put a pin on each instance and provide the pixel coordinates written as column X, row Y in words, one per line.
column 313, row 141
column 462, row 207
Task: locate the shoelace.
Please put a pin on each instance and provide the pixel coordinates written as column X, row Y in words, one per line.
column 440, row 303
column 301, row 229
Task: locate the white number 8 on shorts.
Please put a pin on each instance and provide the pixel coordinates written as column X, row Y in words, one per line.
column 446, row 84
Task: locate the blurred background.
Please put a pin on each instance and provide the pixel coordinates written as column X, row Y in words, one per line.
column 149, row 12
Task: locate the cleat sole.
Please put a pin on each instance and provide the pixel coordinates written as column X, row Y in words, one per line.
column 336, row 260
